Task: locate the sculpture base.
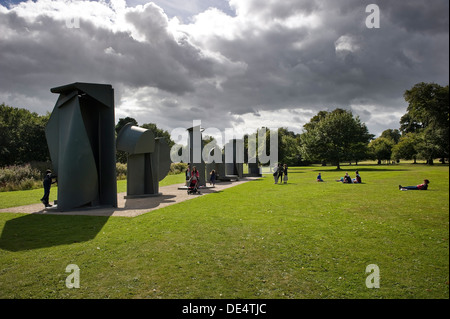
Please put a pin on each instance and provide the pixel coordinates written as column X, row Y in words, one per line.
column 228, row 178
column 55, row 208
column 200, row 187
column 142, row 196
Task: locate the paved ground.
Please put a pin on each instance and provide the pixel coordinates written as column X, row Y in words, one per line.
column 132, row 207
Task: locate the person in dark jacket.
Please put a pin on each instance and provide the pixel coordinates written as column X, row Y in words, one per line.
column 276, row 174
column 285, row 172
column 48, row 181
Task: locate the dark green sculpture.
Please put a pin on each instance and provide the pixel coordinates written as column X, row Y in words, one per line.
column 81, row 139
column 195, row 146
column 234, row 158
column 148, row 160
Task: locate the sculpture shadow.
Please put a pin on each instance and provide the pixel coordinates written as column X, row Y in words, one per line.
column 34, row 231
column 147, row 202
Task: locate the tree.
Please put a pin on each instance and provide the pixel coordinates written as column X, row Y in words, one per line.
column 406, row 148
column 22, row 136
column 121, row 156
column 333, row 137
column 123, row 121
column 159, row 133
column 393, row 135
column 428, row 115
column 288, row 147
column 381, row 148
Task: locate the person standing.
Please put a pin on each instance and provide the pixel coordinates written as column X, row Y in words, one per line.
column 188, row 175
column 48, row 181
column 280, row 173
column 276, row 173
column 212, row 178
column 285, row 172
column 195, row 173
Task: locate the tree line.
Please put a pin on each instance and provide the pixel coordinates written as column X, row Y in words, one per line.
column 330, row 137
column 336, row 137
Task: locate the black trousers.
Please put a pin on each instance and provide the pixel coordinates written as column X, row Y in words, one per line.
column 46, row 195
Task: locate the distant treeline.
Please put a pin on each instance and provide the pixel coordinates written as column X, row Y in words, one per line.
column 329, row 137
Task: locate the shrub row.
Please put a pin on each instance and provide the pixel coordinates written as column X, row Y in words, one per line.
column 20, row 177
column 30, row 176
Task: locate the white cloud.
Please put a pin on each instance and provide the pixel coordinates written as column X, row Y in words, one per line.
column 346, row 43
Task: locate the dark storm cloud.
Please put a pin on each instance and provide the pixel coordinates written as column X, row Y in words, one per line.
column 40, row 53
column 219, row 67
column 382, row 64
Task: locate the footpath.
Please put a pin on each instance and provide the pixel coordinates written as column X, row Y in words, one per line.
column 131, row 207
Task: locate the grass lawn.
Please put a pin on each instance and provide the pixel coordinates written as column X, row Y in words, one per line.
column 19, row 198
column 256, row 240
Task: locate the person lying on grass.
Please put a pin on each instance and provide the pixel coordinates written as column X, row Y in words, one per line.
column 423, row 186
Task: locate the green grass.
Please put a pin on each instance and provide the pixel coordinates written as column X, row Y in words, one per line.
column 256, row 240
column 19, row 198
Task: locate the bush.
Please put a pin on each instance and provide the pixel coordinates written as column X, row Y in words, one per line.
column 30, row 176
column 177, row 168
column 121, row 171
column 20, row 177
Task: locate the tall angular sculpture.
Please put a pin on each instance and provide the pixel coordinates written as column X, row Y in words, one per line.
column 195, row 145
column 254, row 170
column 234, row 158
column 81, row 140
column 148, row 160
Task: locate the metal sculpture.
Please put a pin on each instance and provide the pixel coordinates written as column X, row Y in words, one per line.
column 195, row 146
column 234, row 158
column 81, row 139
column 148, row 160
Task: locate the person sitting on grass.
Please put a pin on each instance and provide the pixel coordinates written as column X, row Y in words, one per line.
column 319, row 178
column 347, row 179
column 358, row 178
column 422, row 187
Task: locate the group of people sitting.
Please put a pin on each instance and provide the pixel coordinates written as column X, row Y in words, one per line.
column 346, row 179
column 281, row 173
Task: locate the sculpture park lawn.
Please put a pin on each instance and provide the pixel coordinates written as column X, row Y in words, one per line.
column 255, row 240
column 19, row 198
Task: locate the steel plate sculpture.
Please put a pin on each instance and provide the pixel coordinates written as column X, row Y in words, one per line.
column 148, row 160
column 81, row 139
column 234, row 158
column 195, row 146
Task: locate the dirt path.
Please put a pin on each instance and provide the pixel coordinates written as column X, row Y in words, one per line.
column 132, row 207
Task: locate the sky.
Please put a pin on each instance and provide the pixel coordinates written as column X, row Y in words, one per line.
column 239, row 64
